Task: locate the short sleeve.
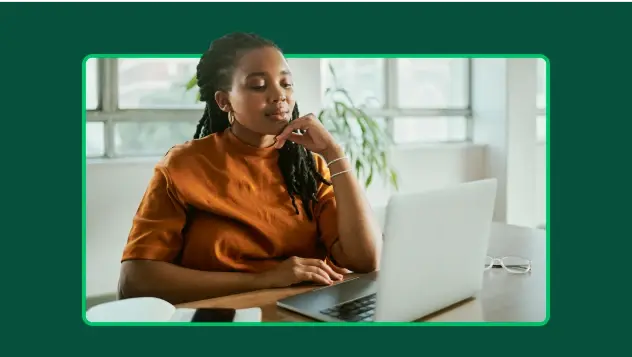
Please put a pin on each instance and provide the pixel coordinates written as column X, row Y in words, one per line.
column 156, row 232
column 325, row 210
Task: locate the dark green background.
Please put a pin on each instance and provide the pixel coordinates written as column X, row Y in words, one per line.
column 41, row 49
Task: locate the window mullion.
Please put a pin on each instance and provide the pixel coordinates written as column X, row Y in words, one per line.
column 421, row 112
column 390, row 77
column 108, row 82
column 469, row 122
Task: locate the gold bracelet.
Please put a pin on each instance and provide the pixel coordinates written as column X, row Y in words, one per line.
column 340, row 173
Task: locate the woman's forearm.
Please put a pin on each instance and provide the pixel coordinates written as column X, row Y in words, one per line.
column 360, row 237
column 178, row 285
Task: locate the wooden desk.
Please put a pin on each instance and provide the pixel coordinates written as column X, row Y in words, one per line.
column 505, row 297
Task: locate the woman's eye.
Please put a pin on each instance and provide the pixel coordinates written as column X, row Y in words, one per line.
column 262, row 86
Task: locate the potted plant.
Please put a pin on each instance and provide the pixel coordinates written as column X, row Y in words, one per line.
column 365, row 141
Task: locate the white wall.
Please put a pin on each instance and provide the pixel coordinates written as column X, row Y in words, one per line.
column 540, row 184
column 113, row 192
column 504, row 113
column 114, row 188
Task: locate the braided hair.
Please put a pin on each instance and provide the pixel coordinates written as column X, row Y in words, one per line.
column 214, row 73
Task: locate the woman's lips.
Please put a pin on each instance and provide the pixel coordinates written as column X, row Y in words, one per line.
column 280, row 115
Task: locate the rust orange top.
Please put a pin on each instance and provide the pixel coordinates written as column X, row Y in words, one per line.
column 218, row 204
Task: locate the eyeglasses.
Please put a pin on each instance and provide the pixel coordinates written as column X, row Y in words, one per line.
column 512, row 264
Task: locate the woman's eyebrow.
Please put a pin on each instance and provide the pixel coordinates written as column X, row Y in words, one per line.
column 263, row 74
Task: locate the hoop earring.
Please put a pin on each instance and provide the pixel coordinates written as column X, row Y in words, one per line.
column 231, row 118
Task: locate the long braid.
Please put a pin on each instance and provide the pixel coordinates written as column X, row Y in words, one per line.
column 214, row 72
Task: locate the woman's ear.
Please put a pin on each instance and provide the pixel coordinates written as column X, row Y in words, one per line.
column 222, row 101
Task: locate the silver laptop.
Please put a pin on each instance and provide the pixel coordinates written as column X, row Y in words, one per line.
column 433, row 256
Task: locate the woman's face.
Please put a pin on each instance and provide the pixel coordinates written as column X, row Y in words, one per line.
column 261, row 97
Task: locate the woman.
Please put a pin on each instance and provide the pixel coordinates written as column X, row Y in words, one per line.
column 260, row 198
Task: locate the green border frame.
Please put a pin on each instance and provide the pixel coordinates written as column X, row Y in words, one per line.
column 328, row 324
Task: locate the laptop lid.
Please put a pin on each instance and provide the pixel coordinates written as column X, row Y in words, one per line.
column 434, row 249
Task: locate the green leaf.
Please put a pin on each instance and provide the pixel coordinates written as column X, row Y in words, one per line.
column 331, row 70
column 350, row 152
column 369, row 126
column 394, row 180
column 191, row 83
column 370, row 178
column 346, row 125
column 383, row 162
column 346, row 95
column 333, row 74
column 358, row 167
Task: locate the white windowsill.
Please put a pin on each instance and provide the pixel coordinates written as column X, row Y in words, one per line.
column 399, row 148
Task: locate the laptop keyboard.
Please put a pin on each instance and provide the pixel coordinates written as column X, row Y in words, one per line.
column 359, row 310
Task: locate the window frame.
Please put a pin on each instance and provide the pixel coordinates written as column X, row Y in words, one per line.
column 390, row 111
column 108, row 112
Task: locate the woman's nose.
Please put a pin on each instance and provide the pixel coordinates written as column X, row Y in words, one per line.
column 278, row 94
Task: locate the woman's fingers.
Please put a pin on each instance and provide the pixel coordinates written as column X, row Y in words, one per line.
column 323, row 266
column 302, row 123
column 294, row 137
column 312, row 273
column 339, row 270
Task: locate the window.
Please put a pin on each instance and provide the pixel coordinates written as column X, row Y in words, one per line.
column 92, row 84
column 140, row 107
column 362, row 78
column 420, row 99
column 432, row 83
column 94, row 140
column 156, row 83
column 150, row 138
column 541, row 99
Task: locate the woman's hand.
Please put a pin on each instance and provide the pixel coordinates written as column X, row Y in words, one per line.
column 296, row 270
column 316, row 138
